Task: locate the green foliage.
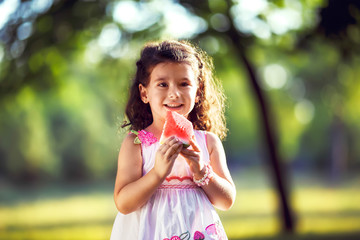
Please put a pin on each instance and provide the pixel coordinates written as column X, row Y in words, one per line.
column 64, row 91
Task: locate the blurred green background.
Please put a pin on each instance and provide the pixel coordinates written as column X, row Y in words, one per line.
column 65, row 68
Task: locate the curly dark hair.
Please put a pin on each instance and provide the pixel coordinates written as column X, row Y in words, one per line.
column 208, row 113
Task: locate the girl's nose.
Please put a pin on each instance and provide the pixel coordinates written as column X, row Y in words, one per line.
column 173, row 92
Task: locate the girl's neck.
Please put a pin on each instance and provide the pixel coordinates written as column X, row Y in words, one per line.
column 155, row 129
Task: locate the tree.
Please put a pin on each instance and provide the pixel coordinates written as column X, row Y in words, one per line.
column 240, row 43
column 31, row 29
column 41, row 47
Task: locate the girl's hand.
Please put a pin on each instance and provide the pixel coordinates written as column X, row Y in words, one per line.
column 195, row 161
column 166, row 156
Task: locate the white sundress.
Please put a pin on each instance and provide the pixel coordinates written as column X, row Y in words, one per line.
column 178, row 210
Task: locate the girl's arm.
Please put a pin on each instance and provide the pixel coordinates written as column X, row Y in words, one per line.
column 221, row 189
column 132, row 190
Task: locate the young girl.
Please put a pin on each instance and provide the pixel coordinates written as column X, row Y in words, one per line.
column 165, row 191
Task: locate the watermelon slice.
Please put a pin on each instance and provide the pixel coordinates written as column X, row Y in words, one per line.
column 177, row 125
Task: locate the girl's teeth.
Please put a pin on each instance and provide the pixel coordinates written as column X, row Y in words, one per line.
column 173, row 105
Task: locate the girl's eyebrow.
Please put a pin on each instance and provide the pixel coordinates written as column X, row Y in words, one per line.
column 157, row 79
column 163, row 78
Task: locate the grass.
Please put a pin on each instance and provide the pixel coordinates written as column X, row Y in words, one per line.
column 87, row 211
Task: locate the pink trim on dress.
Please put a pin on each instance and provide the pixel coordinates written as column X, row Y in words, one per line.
column 177, row 186
column 168, row 179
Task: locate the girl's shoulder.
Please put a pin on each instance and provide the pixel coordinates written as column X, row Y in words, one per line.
column 129, row 150
column 130, row 137
column 212, row 140
column 209, row 135
column 129, row 142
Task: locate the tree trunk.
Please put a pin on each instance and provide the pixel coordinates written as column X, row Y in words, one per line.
column 269, row 136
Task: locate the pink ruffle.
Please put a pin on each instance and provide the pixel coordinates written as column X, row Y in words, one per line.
column 147, row 138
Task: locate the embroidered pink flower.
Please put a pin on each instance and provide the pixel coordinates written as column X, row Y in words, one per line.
column 216, row 231
column 146, row 138
column 211, row 229
column 175, row 238
column 199, row 236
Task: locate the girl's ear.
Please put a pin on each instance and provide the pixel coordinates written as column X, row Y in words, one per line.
column 143, row 93
column 197, row 98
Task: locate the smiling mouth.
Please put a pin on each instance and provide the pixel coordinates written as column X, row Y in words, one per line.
column 173, row 106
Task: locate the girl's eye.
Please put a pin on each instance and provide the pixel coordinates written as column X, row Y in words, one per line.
column 162, row 84
column 184, row 84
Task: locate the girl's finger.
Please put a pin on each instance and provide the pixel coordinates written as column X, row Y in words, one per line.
column 176, row 154
column 168, row 143
column 171, row 140
column 194, row 145
column 175, row 148
column 189, row 153
column 190, row 159
column 163, row 148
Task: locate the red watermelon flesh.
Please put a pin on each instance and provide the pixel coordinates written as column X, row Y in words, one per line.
column 177, row 125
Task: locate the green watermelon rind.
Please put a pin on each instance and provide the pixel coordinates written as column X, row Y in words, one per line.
column 186, row 145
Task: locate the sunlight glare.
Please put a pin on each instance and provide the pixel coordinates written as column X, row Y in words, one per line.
column 261, row 18
column 304, row 111
column 220, row 22
column 7, row 7
column 245, row 17
column 93, row 53
column 275, row 76
column 17, row 48
column 180, row 23
column 261, row 29
column 252, row 7
column 283, row 20
column 41, row 6
column 135, row 16
column 109, row 36
column 24, row 30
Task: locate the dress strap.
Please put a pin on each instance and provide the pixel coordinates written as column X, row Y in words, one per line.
column 201, row 140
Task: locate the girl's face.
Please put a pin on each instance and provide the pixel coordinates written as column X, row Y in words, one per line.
column 172, row 86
